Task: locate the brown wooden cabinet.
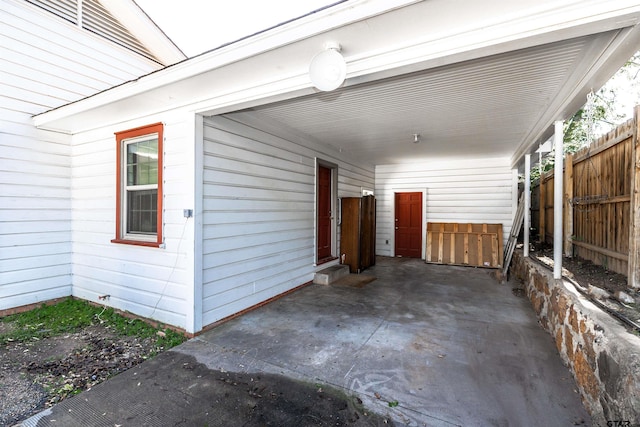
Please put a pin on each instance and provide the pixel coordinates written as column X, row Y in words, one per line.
column 358, row 232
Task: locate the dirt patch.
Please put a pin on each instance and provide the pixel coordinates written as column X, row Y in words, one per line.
column 38, row 374
column 589, row 275
column 354, row 280
column 275, row 400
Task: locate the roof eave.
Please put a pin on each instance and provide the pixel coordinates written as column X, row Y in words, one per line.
column 570, row 21
column 291, row 32
column 609, row 61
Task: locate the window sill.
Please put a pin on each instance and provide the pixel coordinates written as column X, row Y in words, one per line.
column 137, row 243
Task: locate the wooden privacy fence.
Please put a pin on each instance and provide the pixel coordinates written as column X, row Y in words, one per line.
column 599, row 207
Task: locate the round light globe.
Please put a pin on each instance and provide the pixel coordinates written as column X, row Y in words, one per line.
column 327, row 70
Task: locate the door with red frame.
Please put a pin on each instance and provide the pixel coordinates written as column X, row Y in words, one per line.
column 324, row 214
column 408, row 225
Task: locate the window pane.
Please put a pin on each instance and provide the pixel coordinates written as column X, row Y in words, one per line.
column 142, row 211
column 142, row 162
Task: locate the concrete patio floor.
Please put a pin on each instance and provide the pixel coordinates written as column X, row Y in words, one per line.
column 449, row 344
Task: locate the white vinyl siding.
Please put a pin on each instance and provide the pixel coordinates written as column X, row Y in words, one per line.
column 45, row 62
column 470, row 190
column 71, row 63
column 150, row 282
column 94, row 17
column 259, row 211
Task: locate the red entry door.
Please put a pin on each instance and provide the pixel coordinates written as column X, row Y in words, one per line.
column 324, row 213
column 408, row 218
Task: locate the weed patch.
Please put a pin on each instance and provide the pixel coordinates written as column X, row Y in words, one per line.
column 57, row 351
column 71, row 315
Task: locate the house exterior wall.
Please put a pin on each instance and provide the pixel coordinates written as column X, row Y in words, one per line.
column 155, row 283
column 46, row 62
column 259, row 211
column 470, row 190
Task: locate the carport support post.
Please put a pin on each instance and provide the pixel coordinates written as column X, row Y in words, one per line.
column 557, row 200
column 527, row 202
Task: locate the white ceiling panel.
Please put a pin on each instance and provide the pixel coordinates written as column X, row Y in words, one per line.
column 481, row 108
column 474, row 79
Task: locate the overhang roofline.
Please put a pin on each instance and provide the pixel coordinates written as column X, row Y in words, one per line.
column 532, row 25
column 305, row 27
column 609, row 61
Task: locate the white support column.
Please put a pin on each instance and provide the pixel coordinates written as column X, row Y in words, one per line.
column 527, row 202
column 558, row 172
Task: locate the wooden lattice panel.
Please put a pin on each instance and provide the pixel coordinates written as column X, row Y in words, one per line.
column 478, row 245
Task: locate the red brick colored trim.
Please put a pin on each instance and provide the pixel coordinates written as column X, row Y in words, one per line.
column 253, row 307
column 121, row 136
column 29, row 307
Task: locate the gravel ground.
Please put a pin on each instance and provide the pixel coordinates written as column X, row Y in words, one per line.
column 19, row 397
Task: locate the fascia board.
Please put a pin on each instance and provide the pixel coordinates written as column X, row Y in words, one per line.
column 532, row 26
column 439, row 51
column 507, row 33
column 619, row 50
column 326, row 20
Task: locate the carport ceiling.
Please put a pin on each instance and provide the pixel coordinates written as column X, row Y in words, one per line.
column 495, row 106
column 481, row 81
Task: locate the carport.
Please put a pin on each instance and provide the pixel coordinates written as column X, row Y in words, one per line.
column 443, row 99
column 439, row 100
column 421, row 344
column 429, row 337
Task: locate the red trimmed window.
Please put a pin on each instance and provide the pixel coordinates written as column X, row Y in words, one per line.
column 139, row 186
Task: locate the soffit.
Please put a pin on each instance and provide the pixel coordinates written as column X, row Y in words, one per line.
column 481, row 108
column 489, row 86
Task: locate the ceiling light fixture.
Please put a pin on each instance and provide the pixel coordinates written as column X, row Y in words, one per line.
column 416, row 138
column 328, row 68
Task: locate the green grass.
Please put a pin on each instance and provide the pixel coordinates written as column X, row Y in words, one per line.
column 72, row 315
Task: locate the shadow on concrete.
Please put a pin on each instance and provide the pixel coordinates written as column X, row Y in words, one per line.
column 421, row 345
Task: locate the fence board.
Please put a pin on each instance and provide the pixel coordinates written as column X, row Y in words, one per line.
column 634, row 232
column 478, row 245
column 600, row 197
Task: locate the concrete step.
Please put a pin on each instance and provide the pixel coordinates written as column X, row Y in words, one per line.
column 331, row 274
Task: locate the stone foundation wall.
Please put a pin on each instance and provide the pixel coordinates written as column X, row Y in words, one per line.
column 603, row 356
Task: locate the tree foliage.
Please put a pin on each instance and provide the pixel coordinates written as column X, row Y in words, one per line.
column 611, row 105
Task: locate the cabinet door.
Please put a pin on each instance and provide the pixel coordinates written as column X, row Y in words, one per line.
column 368, row 232
column 350, row 233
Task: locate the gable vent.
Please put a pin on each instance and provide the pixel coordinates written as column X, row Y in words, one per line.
column 66, row 9
column 97, row 19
